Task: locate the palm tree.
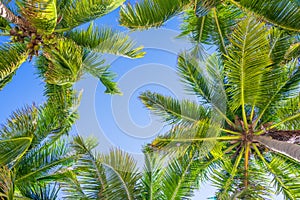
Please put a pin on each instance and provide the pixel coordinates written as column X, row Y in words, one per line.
column 48, row 30
column 210, row 21
column 114, row 176
column 34, row 146
column 244, row 131
column 153, row 13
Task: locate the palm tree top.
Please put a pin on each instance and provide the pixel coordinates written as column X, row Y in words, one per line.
column 48, row 30
column 246, row 123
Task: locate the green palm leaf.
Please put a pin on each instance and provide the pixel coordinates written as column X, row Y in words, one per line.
column 121, row 175
column 43, row 161
column 94, row 66
column 172, row 110
column 105, row 40
column 40, row 191
column 77, row 12
column 285, row 175
column 280, row 42
column 111, row 176
column 63, row 64
column 150, row 13
column 213, row 28
column 12, row 57
column 247, row 63
column 4, row 24
column 285, row 14
column 13, row 149
column 180, row 178
column 293, row 51
column 152, row 178
column 41, row 14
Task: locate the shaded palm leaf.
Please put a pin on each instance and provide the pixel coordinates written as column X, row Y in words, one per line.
column 40, row 191
column 4, row 24
column 180, row 177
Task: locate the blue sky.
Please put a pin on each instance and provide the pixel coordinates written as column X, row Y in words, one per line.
column 116, row 121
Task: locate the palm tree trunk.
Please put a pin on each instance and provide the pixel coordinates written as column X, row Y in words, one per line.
column 288, row 149
column 291, row 136
column 8, row 15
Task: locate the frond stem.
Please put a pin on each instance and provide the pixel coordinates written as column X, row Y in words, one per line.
column 230, row 131
column 219, row 29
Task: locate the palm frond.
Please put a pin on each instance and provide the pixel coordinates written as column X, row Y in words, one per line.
column 203, row 7
column 41, row 14
column 43, row 161
column 13, row 149
column 285, row 175
column 247, row 63
column 63, row 64
column 181, row 137
column 150, row 186
column 22, row 123
column 280, row 42
column 87, row 179
column 284, row 110
column 214, row 28
column 283, row 85
column 172, row 110
column 285, row 14
column 121, row 175
column 111, row 176
column 93, row 65
column 179, row 180
column 106, row 40
column 225, row 178
column 150, row 13
column 40, row 191
column 206, row 81
column 12, row 57
column 77, row 12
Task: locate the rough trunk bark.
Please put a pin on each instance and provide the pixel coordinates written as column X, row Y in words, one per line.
column 292, row 136
column 288, row 149
column 8, row 15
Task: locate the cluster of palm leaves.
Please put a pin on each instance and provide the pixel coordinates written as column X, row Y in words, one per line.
column 242, row 135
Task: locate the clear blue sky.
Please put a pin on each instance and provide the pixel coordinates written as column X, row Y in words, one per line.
column 117, row 121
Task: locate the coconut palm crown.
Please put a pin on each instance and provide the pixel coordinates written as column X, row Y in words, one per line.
column 48, row 30
column 244, row 131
